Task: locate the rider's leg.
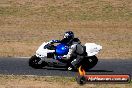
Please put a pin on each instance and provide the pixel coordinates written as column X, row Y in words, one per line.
column 75, row 62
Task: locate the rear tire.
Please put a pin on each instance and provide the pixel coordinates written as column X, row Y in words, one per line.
column 33, row 62
column 89, row 62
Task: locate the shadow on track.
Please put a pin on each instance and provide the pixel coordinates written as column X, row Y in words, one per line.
column 99, row 71
column 63, row 69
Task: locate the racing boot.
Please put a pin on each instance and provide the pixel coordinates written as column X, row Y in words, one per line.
column 70, row 68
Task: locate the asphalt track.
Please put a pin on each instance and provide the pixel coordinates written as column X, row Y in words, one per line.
column 19, row 66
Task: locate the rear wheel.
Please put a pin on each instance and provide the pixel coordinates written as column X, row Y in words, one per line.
column 89, row 62
column 34, row 62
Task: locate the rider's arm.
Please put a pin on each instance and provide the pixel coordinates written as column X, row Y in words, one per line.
column 75, row 49
column 71, row 51
column 51, row 42
column 54, row 41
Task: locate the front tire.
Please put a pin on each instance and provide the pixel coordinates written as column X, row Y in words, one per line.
column 34, row 62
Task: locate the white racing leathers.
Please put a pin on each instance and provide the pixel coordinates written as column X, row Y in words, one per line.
column 76, row 53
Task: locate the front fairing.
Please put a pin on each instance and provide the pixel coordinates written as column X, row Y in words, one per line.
column 42, row 52
column 59, row 50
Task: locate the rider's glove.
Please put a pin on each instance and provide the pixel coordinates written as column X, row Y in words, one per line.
column 54, row 41
column 46, row 46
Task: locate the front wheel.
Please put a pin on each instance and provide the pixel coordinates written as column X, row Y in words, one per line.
column 34, row 62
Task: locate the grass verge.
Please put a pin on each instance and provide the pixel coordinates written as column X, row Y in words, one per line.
column 25, row 24
column 12, row 81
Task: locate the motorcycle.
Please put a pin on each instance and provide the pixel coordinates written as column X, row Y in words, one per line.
column 47, row 55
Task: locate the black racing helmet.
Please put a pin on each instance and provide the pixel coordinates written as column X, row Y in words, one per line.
column 69, row 35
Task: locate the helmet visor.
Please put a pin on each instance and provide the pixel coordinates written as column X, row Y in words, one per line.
column 66, row 35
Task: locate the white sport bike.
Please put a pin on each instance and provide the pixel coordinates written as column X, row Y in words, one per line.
column 47, row 56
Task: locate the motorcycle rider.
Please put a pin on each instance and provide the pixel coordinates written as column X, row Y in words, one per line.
column 76, row 54
column 76, row 50
column 68, row 38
